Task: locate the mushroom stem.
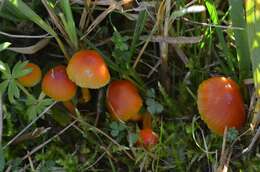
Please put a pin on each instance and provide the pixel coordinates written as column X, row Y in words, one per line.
column 147, row 121
column 136, row 117
column 85, row 94
column 70, row 107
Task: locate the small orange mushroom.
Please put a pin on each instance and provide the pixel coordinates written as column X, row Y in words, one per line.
column 32, row 78
column 88, row 69
column 147, row 138
column 123, row 100
column 57, row 85
column 220, row 104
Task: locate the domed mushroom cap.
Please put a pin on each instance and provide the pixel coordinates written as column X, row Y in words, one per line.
column 32, row 78
column 88, row 69
column 123, row 100
column 147, row 138
column 57, row 85
column 220, row 104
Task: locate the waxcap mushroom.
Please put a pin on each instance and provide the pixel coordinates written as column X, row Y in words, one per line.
column 220, row 104
column 87, row 69
column 57, row 85
column 32, row 78
column 123, row 100
column 147, row 138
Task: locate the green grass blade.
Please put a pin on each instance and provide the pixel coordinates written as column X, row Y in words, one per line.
column 253, row 33
column 214, row 17
column 69, row 23
column 4, row 46
column 31, row 15
column 241, row 39
column 138, row 30
column 253, row 28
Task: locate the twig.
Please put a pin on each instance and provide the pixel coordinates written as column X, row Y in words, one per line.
column 29, row 125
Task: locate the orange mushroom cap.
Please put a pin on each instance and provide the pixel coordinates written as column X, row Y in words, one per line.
column 57, row 85
column 220, row 104
column 88, row 69
column 32, row 78
column 147, row 138
column 123, row 100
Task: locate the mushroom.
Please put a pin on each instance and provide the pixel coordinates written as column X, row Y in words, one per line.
column 123, row 100
column 220, row 104
column 32, row 78
column 88, row 70
column 57, row 85
column 147, row 138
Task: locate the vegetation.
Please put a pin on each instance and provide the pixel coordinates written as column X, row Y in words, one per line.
column 164, row 48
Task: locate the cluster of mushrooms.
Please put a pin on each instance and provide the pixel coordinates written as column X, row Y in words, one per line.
column 219, row 101
column 88, row 70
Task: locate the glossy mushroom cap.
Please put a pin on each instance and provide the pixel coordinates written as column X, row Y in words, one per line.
column 123, row 100
column 88, row 69
column 32, row 78
column 147, row 138
column 57, row 85
column 220, row 104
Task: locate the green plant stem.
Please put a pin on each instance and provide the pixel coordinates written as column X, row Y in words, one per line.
column 24, row 90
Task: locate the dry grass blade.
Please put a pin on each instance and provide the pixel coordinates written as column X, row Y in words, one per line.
column 29, row 125
column 23, row 36
column 31, row 135
column 254, row 140
column 99, row 19
column 31, row 49
column 49, row 140
column 113, row 5
column 174, row 40
column 54, row 18
column 158, row 19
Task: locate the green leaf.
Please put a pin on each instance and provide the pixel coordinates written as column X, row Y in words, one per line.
column 120, row 41
column 132, row 138
column 12, row 89
column 31, row 112
column 4, row 68
column 232, row 134
column 19, row 69
column 114, row 133
column 153, row 106
column 4, row 46
column 151, row 93
column 2, row 160
column 35, row 106
column 3, row 86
